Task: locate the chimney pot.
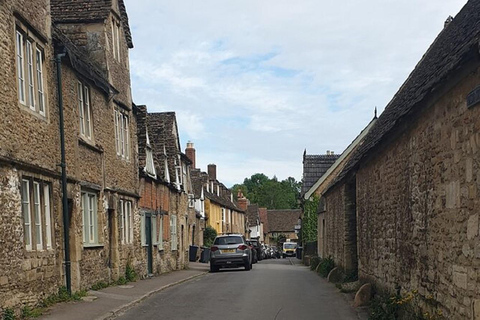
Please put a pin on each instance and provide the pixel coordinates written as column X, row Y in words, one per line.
column 212, row 172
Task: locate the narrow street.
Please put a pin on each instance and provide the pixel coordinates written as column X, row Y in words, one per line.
column 273, row 289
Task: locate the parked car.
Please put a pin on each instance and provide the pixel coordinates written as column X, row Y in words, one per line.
column 230, row 251
column 258, row 248
column 254, row 252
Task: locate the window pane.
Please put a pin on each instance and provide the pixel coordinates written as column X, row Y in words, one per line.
column 26, row 214
column 20, row 68
column 40, row 94
column 81, row 108
column 31, row 89
column 38, row 215
column 86, row 102
column 91, row 217
column 48, row 223
column 122, row 223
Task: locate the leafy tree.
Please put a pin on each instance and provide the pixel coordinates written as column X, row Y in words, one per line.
column 208, row 236
column 270, row 193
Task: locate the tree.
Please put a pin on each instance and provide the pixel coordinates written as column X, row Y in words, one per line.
column 270, row 193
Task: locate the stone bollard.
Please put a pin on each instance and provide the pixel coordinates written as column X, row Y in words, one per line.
column 363, row 295
column 335, row 275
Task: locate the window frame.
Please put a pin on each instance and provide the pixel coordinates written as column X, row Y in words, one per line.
column 122, row 134
column 126, row 222
column 89, row 211
column 173, row 233
column 84, row 110
column 37, row 214
column 30, row 65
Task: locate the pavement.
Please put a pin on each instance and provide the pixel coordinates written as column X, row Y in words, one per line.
column 110, row 302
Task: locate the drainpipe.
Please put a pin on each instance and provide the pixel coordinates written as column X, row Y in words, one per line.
column 66, row 222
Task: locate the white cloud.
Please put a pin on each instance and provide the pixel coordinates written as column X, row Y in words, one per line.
column 262, row 80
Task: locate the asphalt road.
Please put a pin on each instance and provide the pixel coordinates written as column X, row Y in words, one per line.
column 273, row 289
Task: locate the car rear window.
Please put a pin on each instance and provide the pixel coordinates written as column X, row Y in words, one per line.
column 228, row 240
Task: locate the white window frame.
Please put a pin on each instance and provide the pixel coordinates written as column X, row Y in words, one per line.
column 116, row 39
column 84, row 110
column 173, row 233
column 30, row 75
column 27, row 217
column 122, row 134
column 89, row 208
column 126, row 222
column 37, row 215
column 48, row 217
column 160, row 233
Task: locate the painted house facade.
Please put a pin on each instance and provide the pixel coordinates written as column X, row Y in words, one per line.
column 413, row 183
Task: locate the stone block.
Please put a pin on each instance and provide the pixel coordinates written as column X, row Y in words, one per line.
column 476, row 309
column 363, row 295
column 335, row 275
column 472, row 226
column 460, row 277
column 3, row 281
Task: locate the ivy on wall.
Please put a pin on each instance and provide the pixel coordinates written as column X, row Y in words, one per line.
column 309, row 222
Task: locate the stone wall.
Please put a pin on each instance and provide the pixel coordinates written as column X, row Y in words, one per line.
column 417, row 205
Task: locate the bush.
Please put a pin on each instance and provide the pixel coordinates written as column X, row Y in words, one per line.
column 326, row 265
column 314, row 261
column 130, row 274
column 208, row 236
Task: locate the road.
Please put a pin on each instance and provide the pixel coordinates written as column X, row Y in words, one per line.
column 273, row 289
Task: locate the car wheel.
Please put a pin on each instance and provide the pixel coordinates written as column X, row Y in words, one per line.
column 214, row 268
column 248, row 266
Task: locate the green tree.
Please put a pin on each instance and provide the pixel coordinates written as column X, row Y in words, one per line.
column 270, row 193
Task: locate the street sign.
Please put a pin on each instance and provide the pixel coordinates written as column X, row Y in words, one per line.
column 298, row 227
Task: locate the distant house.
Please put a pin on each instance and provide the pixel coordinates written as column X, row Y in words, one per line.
column 255, row 228
column 282, row 222
column 168, row 220
column 314, row 166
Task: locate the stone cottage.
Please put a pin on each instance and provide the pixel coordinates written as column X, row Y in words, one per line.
column 90, row 46
column 414, row 181
column 168, row 218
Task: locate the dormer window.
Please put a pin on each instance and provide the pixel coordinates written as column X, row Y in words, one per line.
column 149, row 165
column 165, row 163
column 84, row 110
column 122, row 134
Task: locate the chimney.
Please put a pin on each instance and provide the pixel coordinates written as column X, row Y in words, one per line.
column 212, row 172
column 242, row 201
column 328, row 152
column 190, row 152
column 447, row 22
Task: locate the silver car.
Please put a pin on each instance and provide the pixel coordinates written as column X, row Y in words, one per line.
column 230, row 251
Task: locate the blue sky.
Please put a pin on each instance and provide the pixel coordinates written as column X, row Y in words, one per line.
column 254, row 83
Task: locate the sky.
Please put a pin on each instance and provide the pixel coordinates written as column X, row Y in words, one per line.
column 255, row 83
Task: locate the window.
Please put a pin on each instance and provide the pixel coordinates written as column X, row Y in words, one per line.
column 30, row 75
column 84, row 110
column 90, row 218
column 126, row 222
column 160, row 232
column 36, row 214
column 116, row 39
column 149, row 165
column 173, row 232
column 122, row 137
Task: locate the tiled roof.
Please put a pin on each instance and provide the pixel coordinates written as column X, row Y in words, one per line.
column 457, row 43
column 314, row 166
column 283, row 220
column 70, row 11
column 264, row 218
column 252, row 215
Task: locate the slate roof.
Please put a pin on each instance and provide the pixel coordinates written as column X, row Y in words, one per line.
column 252, row 215
column 314, row 166
column 71, row 11
column 283, row 220
column 457, row 43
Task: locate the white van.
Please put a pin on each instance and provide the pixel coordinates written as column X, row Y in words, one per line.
column 289, row 249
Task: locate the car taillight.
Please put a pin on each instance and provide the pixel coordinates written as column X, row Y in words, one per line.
column 242, row 247
column 213, row 249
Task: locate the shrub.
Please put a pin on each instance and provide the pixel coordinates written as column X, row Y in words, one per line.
column 326, row 265
column 208, row 236
column 130, row 274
